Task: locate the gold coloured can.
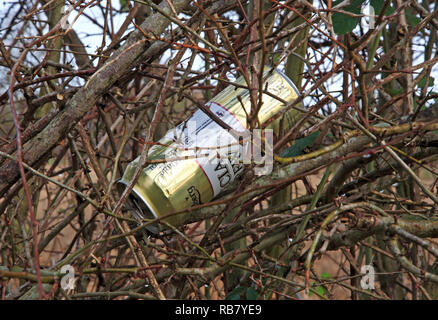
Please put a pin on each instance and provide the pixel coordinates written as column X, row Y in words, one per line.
column 193, row 169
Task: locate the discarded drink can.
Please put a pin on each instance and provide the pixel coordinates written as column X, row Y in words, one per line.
column 200, row 158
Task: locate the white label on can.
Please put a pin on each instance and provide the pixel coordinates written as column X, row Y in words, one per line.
column 216, row 150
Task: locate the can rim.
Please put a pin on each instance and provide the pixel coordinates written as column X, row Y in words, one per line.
column 288, row 80
column 141, row 198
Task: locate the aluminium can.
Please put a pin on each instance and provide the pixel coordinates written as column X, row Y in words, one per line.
column 188, row 175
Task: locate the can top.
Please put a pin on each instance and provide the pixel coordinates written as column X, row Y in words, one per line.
column 288, row 80
column 139, row 208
